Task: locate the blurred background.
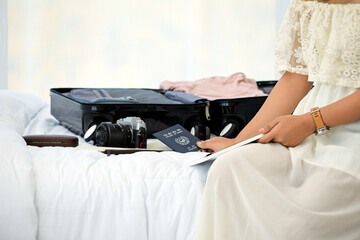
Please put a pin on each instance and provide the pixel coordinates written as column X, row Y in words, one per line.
column 137, row 43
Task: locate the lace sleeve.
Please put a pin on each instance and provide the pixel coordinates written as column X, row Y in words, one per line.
column 289, row 51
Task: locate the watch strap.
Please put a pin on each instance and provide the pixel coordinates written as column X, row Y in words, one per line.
column 319, row 123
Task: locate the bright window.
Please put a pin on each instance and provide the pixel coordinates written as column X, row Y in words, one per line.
column 138, row 43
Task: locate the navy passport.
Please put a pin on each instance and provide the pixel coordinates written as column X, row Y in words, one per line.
column 178, row 139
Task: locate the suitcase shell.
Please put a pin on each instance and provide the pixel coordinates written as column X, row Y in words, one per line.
column 79, row 116
column 235, row 113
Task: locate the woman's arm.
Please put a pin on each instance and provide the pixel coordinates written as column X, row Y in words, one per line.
column 283, row 99
column 344, row 111
column 292, row 130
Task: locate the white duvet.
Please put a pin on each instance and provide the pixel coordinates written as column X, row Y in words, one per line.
column 65, row 193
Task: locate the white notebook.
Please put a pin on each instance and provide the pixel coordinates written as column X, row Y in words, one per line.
column 213, row 156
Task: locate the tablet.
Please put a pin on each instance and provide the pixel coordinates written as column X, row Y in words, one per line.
column 213, row 156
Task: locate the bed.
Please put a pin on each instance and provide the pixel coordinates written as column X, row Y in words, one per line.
column 71, row 193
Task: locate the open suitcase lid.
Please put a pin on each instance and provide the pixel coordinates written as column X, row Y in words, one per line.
column 127, row 96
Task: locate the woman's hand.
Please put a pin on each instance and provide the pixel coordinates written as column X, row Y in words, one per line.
column 215, row 144
column 289, row 130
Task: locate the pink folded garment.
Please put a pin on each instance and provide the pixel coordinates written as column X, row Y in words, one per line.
column 233, row 86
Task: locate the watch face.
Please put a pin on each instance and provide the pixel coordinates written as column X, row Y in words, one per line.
column 322, row 131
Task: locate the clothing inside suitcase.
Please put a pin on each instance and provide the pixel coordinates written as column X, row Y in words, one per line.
column 119, row 96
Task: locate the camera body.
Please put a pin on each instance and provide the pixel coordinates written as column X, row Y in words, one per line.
column 129, row 132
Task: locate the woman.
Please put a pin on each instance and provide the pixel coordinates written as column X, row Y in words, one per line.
column 294, row 184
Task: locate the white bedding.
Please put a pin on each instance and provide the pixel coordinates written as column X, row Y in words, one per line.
column 66, row 193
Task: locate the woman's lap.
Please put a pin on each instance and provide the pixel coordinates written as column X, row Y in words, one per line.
column 258, row 192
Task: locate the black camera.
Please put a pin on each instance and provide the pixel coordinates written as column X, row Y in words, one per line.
column 129, row 132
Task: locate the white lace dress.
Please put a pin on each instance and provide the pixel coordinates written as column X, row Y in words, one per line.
column 323, row 41
column 312, row 191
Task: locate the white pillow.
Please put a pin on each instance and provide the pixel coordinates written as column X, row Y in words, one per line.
column 17, row 109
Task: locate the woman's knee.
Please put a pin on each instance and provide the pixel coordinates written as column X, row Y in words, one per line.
column 252, row 156
column 227, row 165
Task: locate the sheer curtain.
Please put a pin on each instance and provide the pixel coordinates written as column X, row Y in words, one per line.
column 138, row 43
column 3, row 44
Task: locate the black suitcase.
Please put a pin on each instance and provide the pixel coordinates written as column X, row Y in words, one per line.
column 229, row 116
column 97, row 105
column 223, row 117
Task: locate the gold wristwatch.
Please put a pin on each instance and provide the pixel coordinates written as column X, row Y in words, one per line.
column 321, row 128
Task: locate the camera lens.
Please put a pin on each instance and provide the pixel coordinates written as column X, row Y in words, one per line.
column 113, row 135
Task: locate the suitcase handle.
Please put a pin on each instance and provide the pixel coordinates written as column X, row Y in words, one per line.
column 207, row 111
